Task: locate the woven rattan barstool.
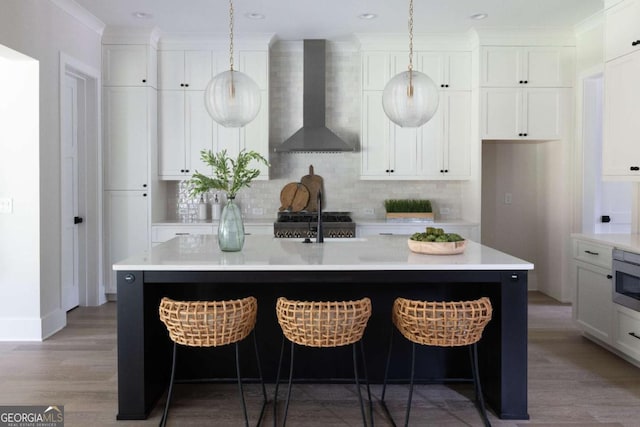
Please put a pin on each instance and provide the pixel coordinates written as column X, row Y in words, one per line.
column 211, row 324
column 440, row 324
column 323, row 324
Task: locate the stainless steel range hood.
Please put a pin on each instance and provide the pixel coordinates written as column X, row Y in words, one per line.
column 314, row 134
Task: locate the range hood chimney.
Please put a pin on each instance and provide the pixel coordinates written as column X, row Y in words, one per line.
column 314, row 134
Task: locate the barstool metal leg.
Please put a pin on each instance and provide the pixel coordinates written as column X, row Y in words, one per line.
column 275, row 395
column 366, row 378
column 478, row 387
column 163, row 420
column 355, row 372
column 264, row 389
column 413, row 368
column 286, row 406
column 386, row 376
column 244, row 406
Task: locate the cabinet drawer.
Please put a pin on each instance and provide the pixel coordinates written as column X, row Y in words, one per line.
column 164, row 233
column 628, row 331
column 593, row 253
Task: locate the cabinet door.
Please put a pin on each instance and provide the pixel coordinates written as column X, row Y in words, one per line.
column 126, row 137
column 458, row 70
column 198, row 126
column 255, row 136
column 457, row 135
column 501, row 113
column 126, row 65
column 255, row 64
column 375, row 70
column 548, row 66
column 501, row 66
column 620, row 148
column 404, row 152
column 621, row 29
column 544, row 111
column 198, row 69
column 433, row 65
column 431, row 144
column 127, row 228
column 375, row 136
column 171, row 69
column 593, row 306
column 171, row 141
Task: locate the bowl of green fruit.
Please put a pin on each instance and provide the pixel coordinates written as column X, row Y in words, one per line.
column 434, row 241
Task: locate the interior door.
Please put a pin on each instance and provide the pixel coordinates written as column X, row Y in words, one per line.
column 69, row 252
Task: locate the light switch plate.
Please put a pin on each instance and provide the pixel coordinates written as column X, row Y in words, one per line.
column 6, row 205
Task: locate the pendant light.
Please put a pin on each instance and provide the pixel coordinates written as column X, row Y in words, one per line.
column 232, row 98
column 410, row 98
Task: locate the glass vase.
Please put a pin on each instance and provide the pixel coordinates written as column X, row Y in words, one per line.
column 231, row 228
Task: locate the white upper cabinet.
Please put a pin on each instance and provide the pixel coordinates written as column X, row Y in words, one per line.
column 534, row 114
column 127, row 130
column 187, row 70
column 509, row 66
column 375, row 70
column 255, row 64
column 129, row 65
column 622, row 31
column 448, row 70
column 445, row 141
column 620, row 147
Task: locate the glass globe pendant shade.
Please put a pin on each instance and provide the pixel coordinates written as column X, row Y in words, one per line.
column 232, row 99
column 410, row 108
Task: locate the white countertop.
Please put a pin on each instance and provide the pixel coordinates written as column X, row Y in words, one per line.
column 627, row 242
column 266, row 253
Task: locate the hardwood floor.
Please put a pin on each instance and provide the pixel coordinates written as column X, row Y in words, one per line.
column 571, row 382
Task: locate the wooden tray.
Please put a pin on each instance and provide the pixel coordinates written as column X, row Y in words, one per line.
column 437, row 248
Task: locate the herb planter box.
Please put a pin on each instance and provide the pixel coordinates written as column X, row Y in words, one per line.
column 409, row 216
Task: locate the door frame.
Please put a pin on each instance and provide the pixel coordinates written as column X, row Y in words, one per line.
column 92, row 291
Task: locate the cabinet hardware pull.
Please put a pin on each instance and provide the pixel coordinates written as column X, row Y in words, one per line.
column 633, row 334
column 391, row 170
column 591, row 253
column 514, row 277
column 526, row 82
column 182, row 234
column 635, row 168
column 144, row 80
column 181, row 84
column 186, row 84
column 144, row 194
column 521, row 81
column 144, row 185
column 609, row 276
column 635, row 43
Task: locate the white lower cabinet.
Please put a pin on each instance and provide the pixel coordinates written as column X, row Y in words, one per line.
column 627, row 331
column 162, row 233
column 126, row 229
column 593, row 306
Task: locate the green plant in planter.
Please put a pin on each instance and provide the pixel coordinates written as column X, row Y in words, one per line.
column 229, row 175
column 407, row 205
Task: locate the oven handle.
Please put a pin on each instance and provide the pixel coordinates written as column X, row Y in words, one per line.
column 591, row 252
column 633, row 334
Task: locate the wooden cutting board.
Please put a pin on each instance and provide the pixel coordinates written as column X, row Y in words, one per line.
column 314, row 184
column 294, row 197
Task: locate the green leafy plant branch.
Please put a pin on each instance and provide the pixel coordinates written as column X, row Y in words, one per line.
column 229, row 175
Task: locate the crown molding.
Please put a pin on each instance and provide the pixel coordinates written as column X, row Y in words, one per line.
column 421, row 41
column 215, row 41
column 130, row 35
column 526, row 37
column 80, row 14
column 594, row 21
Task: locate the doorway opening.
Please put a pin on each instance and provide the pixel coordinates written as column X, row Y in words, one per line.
column 80, row 185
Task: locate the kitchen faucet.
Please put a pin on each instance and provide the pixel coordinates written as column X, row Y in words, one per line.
column 320, row 232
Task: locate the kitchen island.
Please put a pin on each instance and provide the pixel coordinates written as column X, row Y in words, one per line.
column 380, row 267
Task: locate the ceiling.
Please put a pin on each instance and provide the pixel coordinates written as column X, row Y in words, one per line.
column 339, row 19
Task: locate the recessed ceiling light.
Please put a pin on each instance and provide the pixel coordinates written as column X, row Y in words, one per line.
column 479, row 16
column 254, row 15
column 367, row 16
column 142, row 15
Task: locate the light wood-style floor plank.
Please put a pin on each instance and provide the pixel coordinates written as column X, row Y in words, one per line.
column 572, row 382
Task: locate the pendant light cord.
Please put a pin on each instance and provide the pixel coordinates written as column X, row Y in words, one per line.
column 410, row 88
column 231, row 34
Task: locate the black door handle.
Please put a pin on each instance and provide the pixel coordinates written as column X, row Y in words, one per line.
column 77, row 220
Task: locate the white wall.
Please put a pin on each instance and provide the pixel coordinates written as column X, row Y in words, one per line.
column 41, row 30
column 19, row 182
